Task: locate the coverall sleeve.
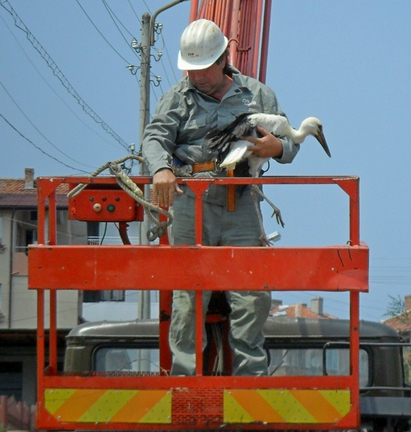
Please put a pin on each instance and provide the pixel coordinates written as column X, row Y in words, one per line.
column 161, row 133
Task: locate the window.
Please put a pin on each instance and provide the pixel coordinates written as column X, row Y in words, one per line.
column 26, row 231
column 2, row 247
column 106, row 295
column 11, row 379
column 113, row 295
column 93, row 233
column 94, row 238
column 309, row 362
column 112, row 359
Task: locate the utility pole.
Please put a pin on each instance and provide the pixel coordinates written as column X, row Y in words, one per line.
column 144, row 297
column 147, row 40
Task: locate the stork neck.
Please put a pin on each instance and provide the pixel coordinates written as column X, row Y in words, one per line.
column 297, row 136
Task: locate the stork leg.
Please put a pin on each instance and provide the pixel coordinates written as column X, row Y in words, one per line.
column 276, row 211
column 263, row 237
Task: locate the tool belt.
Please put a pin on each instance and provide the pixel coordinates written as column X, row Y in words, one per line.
column 188, row 170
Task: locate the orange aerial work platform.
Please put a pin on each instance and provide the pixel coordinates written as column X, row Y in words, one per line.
column 201, row 402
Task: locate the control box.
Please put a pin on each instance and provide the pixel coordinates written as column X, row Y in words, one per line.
column 104, row 205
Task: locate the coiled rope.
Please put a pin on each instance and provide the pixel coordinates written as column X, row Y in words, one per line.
column 124, row 181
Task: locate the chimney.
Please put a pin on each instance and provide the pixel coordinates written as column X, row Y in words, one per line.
column 29, row 178
column 275, row 303
column 407, row 302
column 317, row 305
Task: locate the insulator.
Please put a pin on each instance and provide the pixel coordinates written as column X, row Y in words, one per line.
column 134, row 44
column 133, row 69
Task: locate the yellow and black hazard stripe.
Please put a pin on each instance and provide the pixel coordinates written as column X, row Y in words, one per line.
column 286, row 406
column 109, row 406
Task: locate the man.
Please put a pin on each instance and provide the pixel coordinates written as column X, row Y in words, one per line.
column 211, row 96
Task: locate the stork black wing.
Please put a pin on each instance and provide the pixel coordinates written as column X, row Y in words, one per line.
column 220, row 138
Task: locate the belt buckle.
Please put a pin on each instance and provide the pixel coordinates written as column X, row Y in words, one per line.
column 183, row 170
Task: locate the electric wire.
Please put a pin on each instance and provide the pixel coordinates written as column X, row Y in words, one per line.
column 54, row 91
column 135, row 14
column 39, row 148
column 146, row 5
column 100, row 33
column 59, row 74
column 35, row 127
column 298, row 295
column 169, row 61
column 111, row 13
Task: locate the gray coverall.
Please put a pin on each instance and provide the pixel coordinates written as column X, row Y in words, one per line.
column 183, row 117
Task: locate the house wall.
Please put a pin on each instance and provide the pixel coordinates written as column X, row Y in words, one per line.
column 18, row 304
column 24, row 307
column 5, row 255
column 25, row 356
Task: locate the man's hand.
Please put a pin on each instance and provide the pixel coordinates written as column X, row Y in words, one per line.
column 164, row 188
column 267, row 146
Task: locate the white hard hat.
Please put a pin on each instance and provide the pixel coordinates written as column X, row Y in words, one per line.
column 201, row 45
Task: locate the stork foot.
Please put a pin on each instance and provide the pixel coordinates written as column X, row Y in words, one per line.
column 278, row 216
column 276, row 211
column 265, row 240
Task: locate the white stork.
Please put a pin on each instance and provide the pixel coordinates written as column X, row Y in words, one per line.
column 232, row 148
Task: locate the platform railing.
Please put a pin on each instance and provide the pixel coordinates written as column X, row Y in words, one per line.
column 54, row 267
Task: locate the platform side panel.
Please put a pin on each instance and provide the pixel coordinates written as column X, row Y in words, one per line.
column 223, row 268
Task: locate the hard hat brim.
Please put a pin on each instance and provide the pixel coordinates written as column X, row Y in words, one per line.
column 184, row 65
column 198, row 64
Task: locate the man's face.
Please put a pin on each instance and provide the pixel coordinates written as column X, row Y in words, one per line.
column 208, row 81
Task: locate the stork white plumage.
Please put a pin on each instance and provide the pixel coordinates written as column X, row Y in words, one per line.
column 232, row 148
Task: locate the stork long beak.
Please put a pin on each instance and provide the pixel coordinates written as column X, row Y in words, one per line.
column 321, row 139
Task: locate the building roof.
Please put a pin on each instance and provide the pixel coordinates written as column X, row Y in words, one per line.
column 299, row 310
column 401, row 323
column 14, row 194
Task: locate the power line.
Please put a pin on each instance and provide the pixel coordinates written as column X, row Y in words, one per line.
column 112, row 14
column 39, row 148
column 147, row 6
column 138, row 18
column 61, row 151
column 54, row 91
column 101, row 34
column 169, row 60
column 59, row 74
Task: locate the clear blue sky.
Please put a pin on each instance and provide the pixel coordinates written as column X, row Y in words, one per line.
column 346, row 62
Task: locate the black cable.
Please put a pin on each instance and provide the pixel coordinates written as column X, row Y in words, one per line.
column 39, row 148
column 101, row 34
column 61, row 151
column 59, row 74
column 54, row 91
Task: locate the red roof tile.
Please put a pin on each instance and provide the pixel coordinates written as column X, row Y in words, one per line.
column 300, row 311
column 14, row 195
column 400, row 323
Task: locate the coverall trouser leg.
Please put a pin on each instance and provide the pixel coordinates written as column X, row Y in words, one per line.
column 249, row 309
